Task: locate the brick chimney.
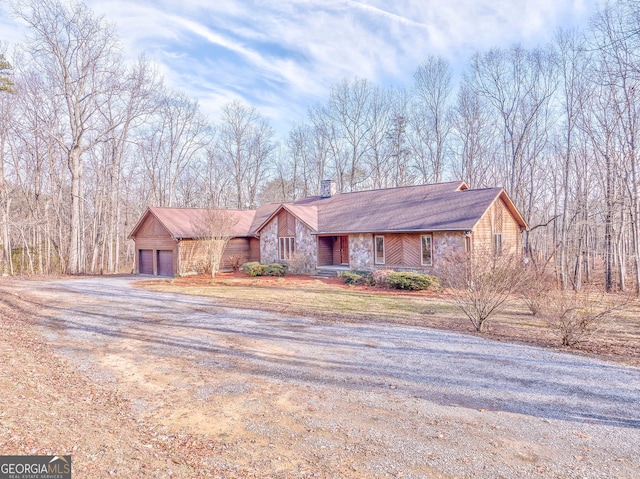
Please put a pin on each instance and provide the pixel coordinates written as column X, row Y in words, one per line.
column 327, row 188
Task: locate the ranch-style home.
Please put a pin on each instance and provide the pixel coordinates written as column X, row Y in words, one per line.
column 404, row 228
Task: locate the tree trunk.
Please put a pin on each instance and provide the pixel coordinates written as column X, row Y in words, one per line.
column 76, row 239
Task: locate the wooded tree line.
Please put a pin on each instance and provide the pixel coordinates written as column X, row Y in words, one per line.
column 87, row 141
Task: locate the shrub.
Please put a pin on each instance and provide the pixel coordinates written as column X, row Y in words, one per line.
column 254, row 268
column 537, row 285
column 576, row 316
column 379, row 277
column 412, row 281
column 481, row 284
column 357, row 277
column 275, row 269
column 235, row 262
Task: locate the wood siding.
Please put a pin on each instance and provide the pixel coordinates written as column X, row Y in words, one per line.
column 401, row 251
column 235, row 247
column 254, row 249
column 193, row 255
column 325, row 250
column 498, row 219
column 286, row 224
column 153, row 236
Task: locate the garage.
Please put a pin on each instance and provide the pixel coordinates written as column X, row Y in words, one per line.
column 165, row 263
column 145, row 261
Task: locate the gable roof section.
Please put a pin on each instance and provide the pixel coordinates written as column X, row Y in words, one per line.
column 406, row 209
column 354, row 212
column 182, row 223
column 513, row 209
column 308, row 214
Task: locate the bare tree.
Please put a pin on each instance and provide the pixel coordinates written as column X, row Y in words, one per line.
column 174, row 139
column 474, row 128
column 245, row 142
column 518, row 84
column 576, row 316
column 615, row 30
column 6, row 87
column 214, row 231
column 6, row 84
column 378, row 161
column 482, row 283
column 398, row 144
column 431, row 119
column 571, row 65
column 78, row 54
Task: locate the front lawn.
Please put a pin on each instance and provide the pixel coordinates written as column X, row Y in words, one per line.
column 332, row 300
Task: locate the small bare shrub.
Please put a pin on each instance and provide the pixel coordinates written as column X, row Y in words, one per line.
column 576, row 316
column 536, row 285
column 379, row 277
column 481, row 283
column 235, row 262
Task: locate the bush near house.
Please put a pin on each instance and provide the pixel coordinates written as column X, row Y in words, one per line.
column 254, row 268
column 379, row 277
column 275, row 269
column 357, row 277
column 392, row 279
column 412, row 281
column 235, row 262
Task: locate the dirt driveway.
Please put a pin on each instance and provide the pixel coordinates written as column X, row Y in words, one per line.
column 295, row 397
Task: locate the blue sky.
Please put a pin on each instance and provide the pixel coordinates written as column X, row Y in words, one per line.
column 283, row 56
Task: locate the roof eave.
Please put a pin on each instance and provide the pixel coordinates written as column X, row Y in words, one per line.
column 422, row 230
column 282, row 206
column 139, row 224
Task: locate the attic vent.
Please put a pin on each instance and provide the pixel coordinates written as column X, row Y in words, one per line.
column 499, row 217
column 327, row 189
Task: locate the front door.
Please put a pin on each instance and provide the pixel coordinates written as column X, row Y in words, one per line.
column 344, row 249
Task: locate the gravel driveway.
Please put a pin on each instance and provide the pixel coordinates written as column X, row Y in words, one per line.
column 296, row 397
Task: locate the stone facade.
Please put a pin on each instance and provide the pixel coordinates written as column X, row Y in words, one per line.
column 306, row 254
column 269, row 242
column 361, row 251
column 361, row 256
column 444, row 243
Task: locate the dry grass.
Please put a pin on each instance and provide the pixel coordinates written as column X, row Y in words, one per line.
column 330, row 300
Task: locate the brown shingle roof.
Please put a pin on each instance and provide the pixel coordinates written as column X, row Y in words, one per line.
column 183, row 222
column 405, row 209
column 436, row 207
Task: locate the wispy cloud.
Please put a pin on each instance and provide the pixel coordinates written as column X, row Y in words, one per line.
column 285, row 55
column 387, row 14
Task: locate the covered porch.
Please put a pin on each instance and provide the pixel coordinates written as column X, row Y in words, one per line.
column 333, row 250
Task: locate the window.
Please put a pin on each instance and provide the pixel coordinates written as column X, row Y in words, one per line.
column 426, row 245
column 497, row 244
column 287, row 247
column 379, row 249
column 467, row 244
